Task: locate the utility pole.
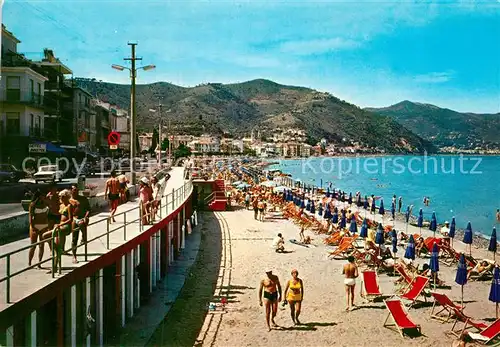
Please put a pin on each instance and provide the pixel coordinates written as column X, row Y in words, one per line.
column 159, row 132
column 133, row 73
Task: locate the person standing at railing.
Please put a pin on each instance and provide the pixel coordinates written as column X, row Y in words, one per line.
column 156, row 197
column 112, row 192
column 124, row 194
column 81, row 207
column 39, row 223
column 64, row 227
column 53, row 202
column 145, row 196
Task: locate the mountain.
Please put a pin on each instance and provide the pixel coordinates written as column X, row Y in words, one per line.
column 444, row 127
column 236, row 109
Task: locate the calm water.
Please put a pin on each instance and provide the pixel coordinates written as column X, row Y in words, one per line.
column 466, row 187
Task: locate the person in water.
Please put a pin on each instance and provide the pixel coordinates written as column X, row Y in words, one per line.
column 270, row 289
column 350, row 272
column 294, row 294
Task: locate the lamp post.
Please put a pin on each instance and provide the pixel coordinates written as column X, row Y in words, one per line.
column 133, row 74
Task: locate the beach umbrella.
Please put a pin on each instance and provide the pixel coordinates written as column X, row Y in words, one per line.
column 373, row 207
column 358, row 200
column 495, row 288
column 492, row 247
column 365, row 203
column 335, row 218
column 420, row 220
column 381, row 209
column 393, row 211
column 349, row 200
column 394, row 245
column 313, row 208
column 285, row 195
column 461, row 276
column 308, row 205
column 410, row 249
column 302, row 203
column 353, row 228
column 327, row 192
column 320, row 209
column 379, row 236
column 468, row 237
column 434, row 262
column 407, row 217
column 452, row 229
column 433, row 223
column 328, row 213
column 343, row 222
column 363, row 232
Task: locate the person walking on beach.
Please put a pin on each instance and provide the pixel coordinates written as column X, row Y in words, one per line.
column 112, row 192
column 400, row 204
column 350, row 272
column 255, row 204
column 270, row 289
column 294, row 294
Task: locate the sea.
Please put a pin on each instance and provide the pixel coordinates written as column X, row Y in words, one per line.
column 460, row 186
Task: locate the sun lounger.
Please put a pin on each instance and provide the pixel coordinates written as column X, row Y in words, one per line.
column 415, row 289
column 488, row 334
column 402, row 320
column 370, row 289
column 460, row 316
column 444, row 302
column 345, row 246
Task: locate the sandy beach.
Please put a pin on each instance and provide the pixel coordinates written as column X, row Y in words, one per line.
column 247, row 248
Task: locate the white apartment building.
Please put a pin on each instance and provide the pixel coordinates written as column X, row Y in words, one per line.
column 205, row 144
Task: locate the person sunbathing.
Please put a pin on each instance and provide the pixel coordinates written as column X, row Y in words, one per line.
column 481, row 269
column 420, row 246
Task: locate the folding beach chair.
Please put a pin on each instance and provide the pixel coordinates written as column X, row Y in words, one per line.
column 345, row 246
column 447, row 306
column 370, row 289
column 460, row 316
column 488, row 334
column 415, row 289
column 402, row 320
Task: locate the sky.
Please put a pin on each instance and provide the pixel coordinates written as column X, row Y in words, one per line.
column 369, row 53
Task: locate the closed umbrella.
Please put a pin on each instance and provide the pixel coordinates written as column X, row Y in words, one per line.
column 327, row 193
column 434, row 262
column 420, row 220
column 363, row 232
column 349, row 200
column 461, row 277
column 343, row 222
column 407, row 217
column 373, row 207
column 335, row 218
column 358, row 200
column 308, row 205
column 468, row 237
column 328, row 213
column 453, row 227
column 320, row 209
column 492, row 247
column 393, row 211
column 381, row 209
column 379, row 236
column 433, row 224
column 410, row 249
column 353, row 228
column 313, row 207
column 394, row 245
column 302, row 203
column 365, row 203
column 495, row 288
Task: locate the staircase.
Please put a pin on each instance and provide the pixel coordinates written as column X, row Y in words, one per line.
column 217, row 201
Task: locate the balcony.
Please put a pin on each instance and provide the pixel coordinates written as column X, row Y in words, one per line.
column 20, row 97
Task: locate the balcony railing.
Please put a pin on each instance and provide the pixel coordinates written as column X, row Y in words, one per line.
column 18, row 96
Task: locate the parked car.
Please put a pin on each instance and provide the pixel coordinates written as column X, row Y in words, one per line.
column 9, row 173
column 48, row 173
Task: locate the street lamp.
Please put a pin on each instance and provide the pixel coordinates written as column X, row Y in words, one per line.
column 133, row 74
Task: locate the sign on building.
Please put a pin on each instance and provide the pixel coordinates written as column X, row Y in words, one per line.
column 37, row 148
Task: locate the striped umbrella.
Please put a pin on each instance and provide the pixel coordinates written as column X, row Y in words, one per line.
column 461, row 276
column 364, row 229
column 495, row 288
column 468, row 237
column 492, row 247
column 433, row 223
column 420, row 220
column 453, row 227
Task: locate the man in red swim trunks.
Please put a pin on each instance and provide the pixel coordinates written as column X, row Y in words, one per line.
column 112, row 193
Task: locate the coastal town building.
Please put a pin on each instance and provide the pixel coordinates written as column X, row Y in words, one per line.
column 145, row 141
column 205, row 144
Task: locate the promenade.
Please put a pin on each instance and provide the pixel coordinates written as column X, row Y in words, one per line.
column 34, row 279
column 247, row 253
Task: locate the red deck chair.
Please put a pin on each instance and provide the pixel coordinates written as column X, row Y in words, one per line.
column 488, row 334
column 415, row 289
column 402, row 320
column 370, row 289
column 344, row 247
column 468, row 323
column 446, row 305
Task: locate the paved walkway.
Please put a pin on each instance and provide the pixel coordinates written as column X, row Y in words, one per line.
column 32, row 280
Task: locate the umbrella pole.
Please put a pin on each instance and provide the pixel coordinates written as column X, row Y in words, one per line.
column 497, row 310
column 434, row 281
column 420, row 231
column 462, row 302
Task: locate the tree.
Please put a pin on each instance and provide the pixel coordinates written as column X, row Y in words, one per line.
column 164, row 144
column 182, row 151
column 154, row 142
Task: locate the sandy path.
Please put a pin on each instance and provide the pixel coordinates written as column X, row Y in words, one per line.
column 246, row 253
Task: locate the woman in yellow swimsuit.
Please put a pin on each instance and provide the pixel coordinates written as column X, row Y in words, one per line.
column 65, row 227
column 294, row 294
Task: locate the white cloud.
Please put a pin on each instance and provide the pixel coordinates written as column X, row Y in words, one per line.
column 434, row 77
column 318, row 46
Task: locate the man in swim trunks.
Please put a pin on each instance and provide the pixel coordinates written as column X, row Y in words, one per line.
column 53, row 215
column 112, row 193
column 81, row 215
column 350, row 271
column 271, row 288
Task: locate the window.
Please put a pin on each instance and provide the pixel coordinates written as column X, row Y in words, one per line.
column 13, row 88
column 32, row 87
column 13, row 123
